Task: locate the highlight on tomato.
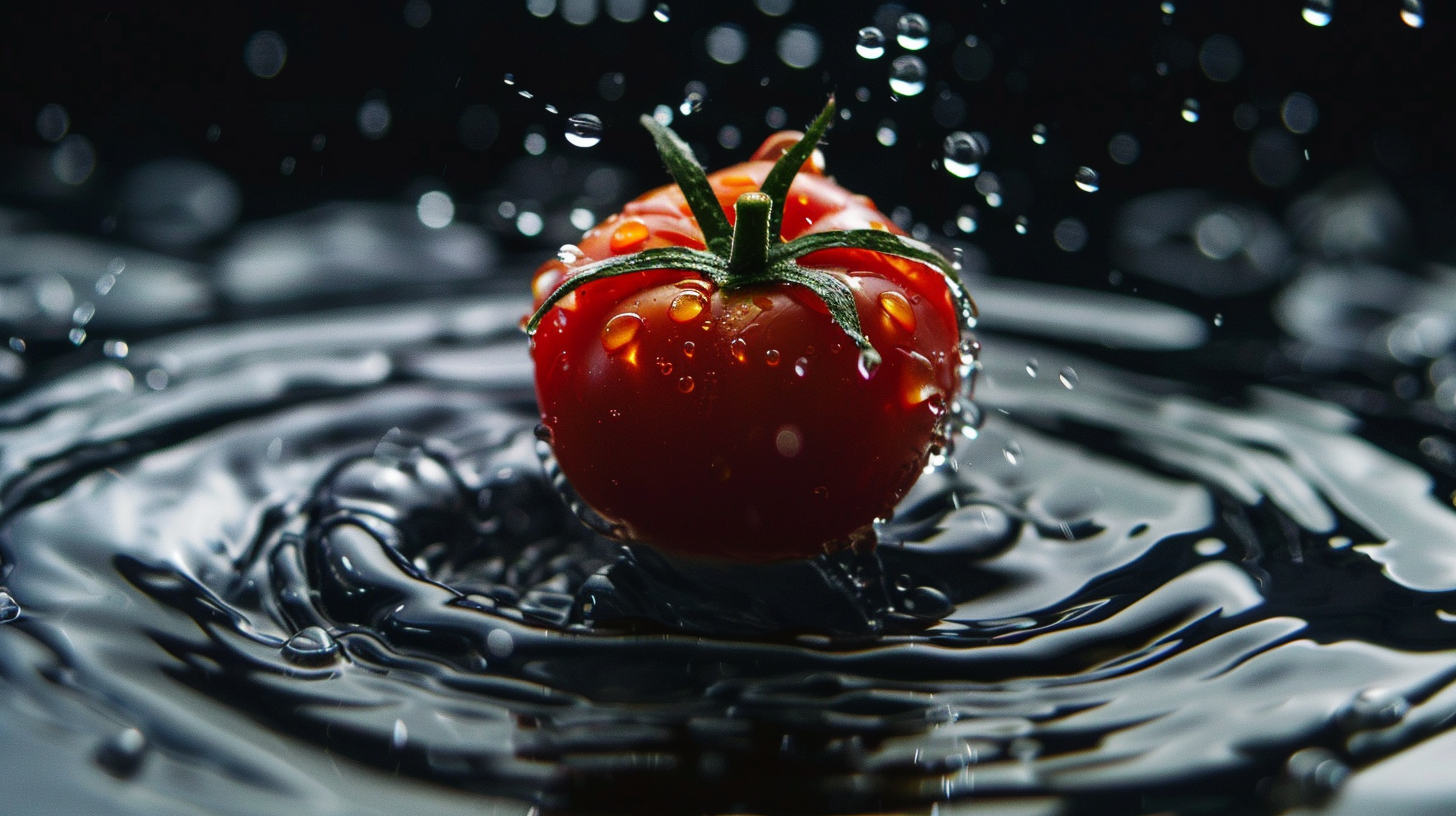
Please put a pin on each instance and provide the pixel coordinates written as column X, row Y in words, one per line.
column 751, row 365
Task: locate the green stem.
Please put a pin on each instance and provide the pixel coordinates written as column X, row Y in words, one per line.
column 749, row 255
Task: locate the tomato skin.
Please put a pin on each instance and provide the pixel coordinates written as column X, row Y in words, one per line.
column 740, row 424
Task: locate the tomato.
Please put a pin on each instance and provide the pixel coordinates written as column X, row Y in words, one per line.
column 714, row 398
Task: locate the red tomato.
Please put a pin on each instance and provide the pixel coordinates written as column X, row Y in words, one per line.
column 741, row 421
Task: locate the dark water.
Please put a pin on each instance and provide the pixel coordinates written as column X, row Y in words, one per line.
column 330, row 538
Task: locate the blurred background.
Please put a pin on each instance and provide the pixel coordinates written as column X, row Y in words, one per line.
column 166, row 165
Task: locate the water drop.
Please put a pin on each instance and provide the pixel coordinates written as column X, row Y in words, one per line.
column 686, row 385
column 584, row 130
column 662, row 13
column 9, row 609
column 689, row 348
column 435, row 209
column 116, row 349
column 1124, row 148
column 788, row 441
column 898, row 309
column 907, row 75
column 739, row 348
column 1318, row 12
column 1372, row 708
column 76, row 336
column 912, row 31
column 374, row 118
column 1022, row 224
column 886, row 134
column 963, row 154
column 664, row 366
column 1069, row 378
column 1218, row 320
column 52, row 123
column 157, row 379
column 1190, row 110
column 821, row 492
column 121, row 755
column 1413, row 13
column 400, row 736
column 1314, row 774
column 1166, row 8
column 1032, row 366
column 871, row 43
column 1012, row 451
column 801, row 366
column 620, row 331
column 687, row 306
column 1209, row 547
column 265, row 54
column 500, row 643
column 312, row 646
column 966, row 219
column 1039, row 134
column 629, row 236
column 691, row 103
column 1086, row 179
column 771, row 357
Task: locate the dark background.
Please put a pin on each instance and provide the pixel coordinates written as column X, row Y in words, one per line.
column 148, row 80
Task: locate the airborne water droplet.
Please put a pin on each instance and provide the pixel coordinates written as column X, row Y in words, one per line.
column 963, row 153
column 1318, row 13
column 686, row 385
column 1413, row 13
column 771, row 357
column 1069, row 378
column 907, row 75
column 1086, row 179
column 1022, row 224
column 1012, row 452
column 801, row 366
column 1190, row 110
column 1039, row 134
column 1031, row 367
column 912, row 32
column 584, row 130
column 662, row 13
column 871, row 43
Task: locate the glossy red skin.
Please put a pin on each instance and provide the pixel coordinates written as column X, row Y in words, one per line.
column 756, row 462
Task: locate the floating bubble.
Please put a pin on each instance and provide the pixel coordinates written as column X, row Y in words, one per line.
column 52, row 122
column 584, row 130
column 1413, row 13
column 907, row 75
column 1190, row 110
column 264, row 54
column 1070, row 234
column 374, row 118
column 311, row 646
column 1299, row 113
column 727, row 44
column 1086, row 179
column 798, row 46
column 417, row 13
column 1039, row 134
column 1318, row 13
column 886, row 134
column 912, row 32
column 871, row 43
column 963, row 153
column 435, row 209
column 1124, row 148
column 73, row 160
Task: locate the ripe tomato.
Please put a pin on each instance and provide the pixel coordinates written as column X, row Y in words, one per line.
column 714, row 398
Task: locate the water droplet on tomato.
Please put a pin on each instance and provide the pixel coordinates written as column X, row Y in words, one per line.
column 629, row 236
column 801, row 366
column 687, row 306
column 739, row 348
column 898, row 308
column 771, row 357
column 620, row 331
column 821, row 492
column 763, row 302
column 664, row 366
column 919, row 380
column 686, row 385
column 688, row 348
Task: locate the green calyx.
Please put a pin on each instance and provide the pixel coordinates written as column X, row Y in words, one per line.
column 753, row 252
